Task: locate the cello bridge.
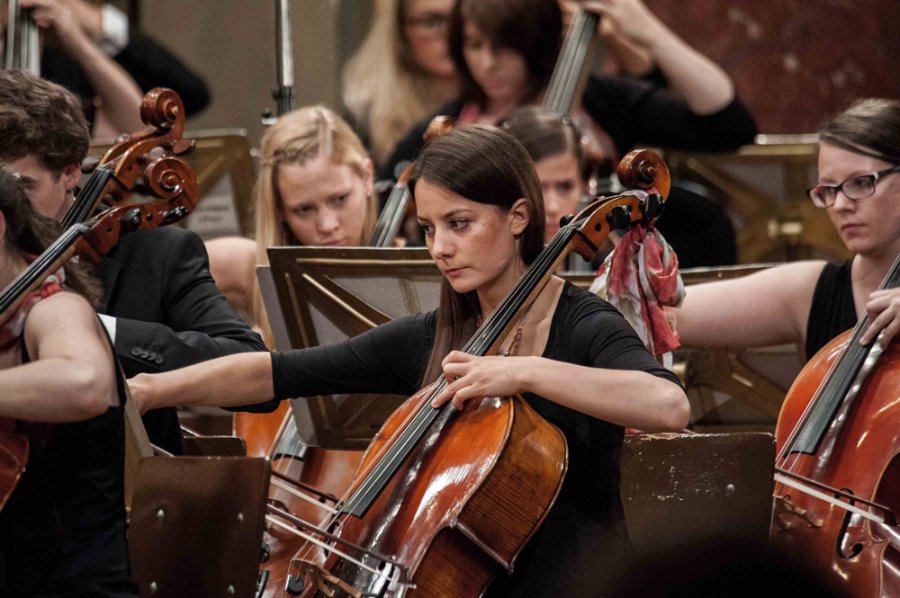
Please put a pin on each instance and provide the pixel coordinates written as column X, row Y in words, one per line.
column 327, row 583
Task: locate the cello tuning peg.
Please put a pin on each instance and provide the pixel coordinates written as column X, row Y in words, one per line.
column 89, row 164
column 182, row 146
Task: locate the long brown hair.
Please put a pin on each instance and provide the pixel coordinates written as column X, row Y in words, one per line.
column 486, row 165
column 533, row 28
column 29, row 233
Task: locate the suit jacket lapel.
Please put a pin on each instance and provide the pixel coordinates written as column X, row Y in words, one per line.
column 107, row 273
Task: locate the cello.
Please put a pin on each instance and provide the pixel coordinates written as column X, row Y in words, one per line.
column 436, row 509
column 837, row 492
column 307, row 478
column 145, row 160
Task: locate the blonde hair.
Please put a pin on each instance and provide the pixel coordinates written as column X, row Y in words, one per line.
column 383, row 88
column 297, row 138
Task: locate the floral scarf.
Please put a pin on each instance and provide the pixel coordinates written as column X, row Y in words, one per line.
column 639, row 278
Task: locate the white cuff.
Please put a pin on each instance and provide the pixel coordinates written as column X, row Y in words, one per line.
column 114, row 27
column 109, row 322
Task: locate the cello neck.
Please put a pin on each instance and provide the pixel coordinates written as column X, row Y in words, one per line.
column 572, row 64
column 87, row 199
column 838, row 385
column 31, row 277
column 583, row 234
column 391, row 216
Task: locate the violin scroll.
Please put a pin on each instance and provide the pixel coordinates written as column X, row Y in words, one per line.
column 173, row 181
column 644, row 169
column 640, row 169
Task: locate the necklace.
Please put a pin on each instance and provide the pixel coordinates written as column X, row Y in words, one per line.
column 513, row 348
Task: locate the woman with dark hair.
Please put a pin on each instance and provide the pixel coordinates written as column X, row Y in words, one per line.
column 505, row 51
column 554, row 144
column 811, row 302
column 478, row 201
column 63, row 529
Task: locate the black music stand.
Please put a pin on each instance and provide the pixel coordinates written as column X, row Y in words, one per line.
column 317, row 295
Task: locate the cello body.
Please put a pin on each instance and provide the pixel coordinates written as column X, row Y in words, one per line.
column 860, row 556
column 460, row 509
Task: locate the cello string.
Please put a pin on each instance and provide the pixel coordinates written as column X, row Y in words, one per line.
column 494, row 326
column 847, row 364
column 301, row 495
column 478, row 345
column 325, row 546
column 425, row 414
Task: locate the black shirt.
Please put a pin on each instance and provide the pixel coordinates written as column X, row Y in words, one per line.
column 584, row 536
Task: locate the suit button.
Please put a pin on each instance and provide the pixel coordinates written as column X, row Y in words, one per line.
column 135, row 351
column 158, row 359
column 144, row 354
column 151, row 355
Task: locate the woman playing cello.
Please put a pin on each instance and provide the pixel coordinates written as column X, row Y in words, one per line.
column 62, row 530
column 811, row 302
column 478, row 201
column 837, row 496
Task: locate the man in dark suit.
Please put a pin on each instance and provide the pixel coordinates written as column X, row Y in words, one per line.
column 161, row 306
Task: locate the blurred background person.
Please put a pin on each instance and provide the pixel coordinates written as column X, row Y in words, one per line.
column 401, row 73
column 76, row 29
column 554, row 144
column 315, row 187
column 505, row 51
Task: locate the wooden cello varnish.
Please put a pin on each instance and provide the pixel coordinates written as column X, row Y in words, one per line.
column 838, row 489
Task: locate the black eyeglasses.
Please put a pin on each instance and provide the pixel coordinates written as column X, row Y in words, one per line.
column 858, row 187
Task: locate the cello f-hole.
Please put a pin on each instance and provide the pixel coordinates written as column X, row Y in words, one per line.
column 842, row 533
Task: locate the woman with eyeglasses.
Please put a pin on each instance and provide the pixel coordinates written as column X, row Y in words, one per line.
column 811, row 302
column 401, row 73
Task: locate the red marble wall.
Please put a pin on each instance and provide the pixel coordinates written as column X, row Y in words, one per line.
column 795, row 62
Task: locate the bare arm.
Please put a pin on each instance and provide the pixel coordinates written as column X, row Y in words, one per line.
column 629, row 398
column 232, row 264
column 230, row 381
column 120, row 97
column 766, row 308
column 71, row 376
column 705, row 87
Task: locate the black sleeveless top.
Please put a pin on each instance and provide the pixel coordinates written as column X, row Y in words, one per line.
column 832, row 310
column 62, row 532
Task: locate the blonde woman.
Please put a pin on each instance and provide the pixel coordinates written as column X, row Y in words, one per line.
column 315, row 187
column 401, row 73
